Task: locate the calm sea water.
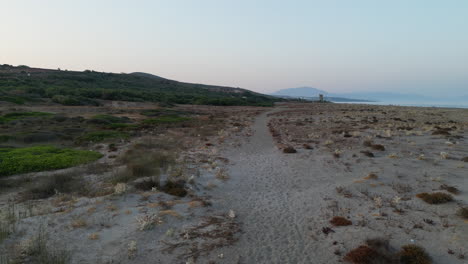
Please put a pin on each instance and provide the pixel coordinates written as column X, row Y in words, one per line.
column 441, row 105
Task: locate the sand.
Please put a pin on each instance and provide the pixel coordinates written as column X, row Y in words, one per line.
column 274, row 207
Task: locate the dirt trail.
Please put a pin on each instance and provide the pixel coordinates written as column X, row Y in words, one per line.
column 273, row 194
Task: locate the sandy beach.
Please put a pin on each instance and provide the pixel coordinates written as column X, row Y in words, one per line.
column 250, row 202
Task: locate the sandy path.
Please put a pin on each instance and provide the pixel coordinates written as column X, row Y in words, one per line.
column 273, row 194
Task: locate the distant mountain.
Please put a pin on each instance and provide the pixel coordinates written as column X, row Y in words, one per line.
column 300, row 92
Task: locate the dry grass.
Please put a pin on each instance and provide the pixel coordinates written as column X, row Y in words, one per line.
column 289, row 149
column 340, row 221
column 435, row 198
column 450, row 189
column 413, row 254
column 463, row 212
column 93, row 236
column 78, row 223
column 371, row 176
column 361, row 255
column 378, row 147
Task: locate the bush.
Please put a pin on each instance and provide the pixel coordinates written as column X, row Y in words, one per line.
column 41, row 158
column 463, row 212
column 378, row 147
column 99, row 136
column 21, row 115
column 361, row 255
column 46, row 187
column 435, row 198
column 340, row 221
column 165, row 120
column 289, row 150
column 413, row 254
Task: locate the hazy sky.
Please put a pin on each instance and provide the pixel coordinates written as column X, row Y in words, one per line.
column 338, row 46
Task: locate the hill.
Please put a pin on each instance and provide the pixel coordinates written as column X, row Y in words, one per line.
column 21, row 84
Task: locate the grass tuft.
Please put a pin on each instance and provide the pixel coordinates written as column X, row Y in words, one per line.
column 289, row 150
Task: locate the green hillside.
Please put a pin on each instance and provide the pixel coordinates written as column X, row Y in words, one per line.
column 22, row 84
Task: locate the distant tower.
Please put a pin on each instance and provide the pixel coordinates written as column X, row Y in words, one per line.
column 321, row 98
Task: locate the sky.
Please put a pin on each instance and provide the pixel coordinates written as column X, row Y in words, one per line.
column 409, row 46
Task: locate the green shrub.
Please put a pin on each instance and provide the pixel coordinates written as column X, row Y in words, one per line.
column 42, row 158
column 99, row 136
column 166, row 119
column 111, row 119
column 21, row 115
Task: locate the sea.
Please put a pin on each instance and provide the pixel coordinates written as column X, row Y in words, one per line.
column 438, row 104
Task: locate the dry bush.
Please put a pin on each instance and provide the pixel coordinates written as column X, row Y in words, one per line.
column 463, row 212
column 176, row 188
column 368, row 153
column 435, row 198
column 307, row 146
column 375, row 251
column 465, row 159
column 367, row 143
column 47, row 186
column 78, row 223
column 413, row 254
column 371, row 176
column 340, row 221
column 378, row 147
column 361, row 255
column 450, row 189
column 289, row 149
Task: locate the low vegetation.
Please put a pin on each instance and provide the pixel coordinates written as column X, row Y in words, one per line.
column 166, row 119
column 435, row 198
column 41, row 158
column 413, row 254
column 340, row 221
column 21, row 115
column 88, row 87
column 99, row 136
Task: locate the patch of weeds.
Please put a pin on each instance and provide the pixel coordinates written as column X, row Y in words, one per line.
column 450, row 189
column 48, row 186
column 465, row 159
column 120, row 126
column 289, row 149
column 99, row 136
column 371, row 176
column 160, row 112
column 413, row 254
column 463, row 212
column 435, row 198
column 368, row 153
column 5, row 138
column 22, row 115
column 378, row 147
column 361, row 255
column 38, row 250
column 374, row 251
column 108, row 119
column 165, row 120
column 340, row 221
column 175, row 188
column 42, row 158
column 146, row 185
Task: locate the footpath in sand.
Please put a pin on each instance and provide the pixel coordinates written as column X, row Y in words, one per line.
column 285, row 202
